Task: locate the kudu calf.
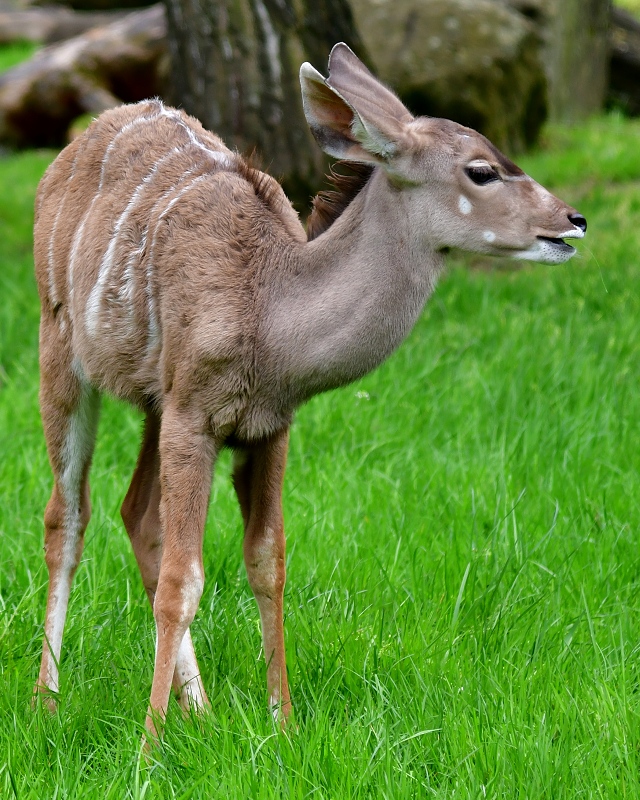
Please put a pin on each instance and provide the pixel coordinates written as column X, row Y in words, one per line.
column 179, row 278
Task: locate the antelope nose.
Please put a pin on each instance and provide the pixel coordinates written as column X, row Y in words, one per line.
column 579, row 221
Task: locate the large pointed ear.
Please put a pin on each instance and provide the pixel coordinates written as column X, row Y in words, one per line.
column 351, row 114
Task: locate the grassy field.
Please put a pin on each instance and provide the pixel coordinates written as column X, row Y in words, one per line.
column 14, row 53
column 630, row 5
column 463, row 596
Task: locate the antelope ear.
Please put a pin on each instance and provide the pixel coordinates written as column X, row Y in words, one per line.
column 351, row 114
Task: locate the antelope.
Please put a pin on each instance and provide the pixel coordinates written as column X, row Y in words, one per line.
column 178, row 277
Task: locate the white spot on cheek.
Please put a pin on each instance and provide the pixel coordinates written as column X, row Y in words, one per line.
column 464, row 204
column 489, row 236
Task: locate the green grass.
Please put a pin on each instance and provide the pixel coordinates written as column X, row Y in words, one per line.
column 630, row 5
column 462, row 605
column 14, row 53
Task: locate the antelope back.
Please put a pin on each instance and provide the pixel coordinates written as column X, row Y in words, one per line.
column 133, row 221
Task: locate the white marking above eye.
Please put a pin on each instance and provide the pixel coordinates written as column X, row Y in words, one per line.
column 464, row 204
column 489, row 236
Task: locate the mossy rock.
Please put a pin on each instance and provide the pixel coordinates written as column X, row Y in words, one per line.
column 97, row 5
column 473, row 61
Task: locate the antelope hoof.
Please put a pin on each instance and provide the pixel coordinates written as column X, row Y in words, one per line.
column 192, row 698
column 45, row 697
column 281, row 713
column 154, row 727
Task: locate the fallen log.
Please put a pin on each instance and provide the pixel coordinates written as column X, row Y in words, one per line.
column 107, row 65
column 51, row 24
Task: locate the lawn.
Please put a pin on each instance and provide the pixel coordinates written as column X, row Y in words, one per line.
column 630, row 5
column 463, row 595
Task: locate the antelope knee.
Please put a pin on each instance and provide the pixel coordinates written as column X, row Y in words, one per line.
column 178, row 596
column 63, row 536
column 265, row 562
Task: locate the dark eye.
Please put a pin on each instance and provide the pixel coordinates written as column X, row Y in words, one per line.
column 482, row 175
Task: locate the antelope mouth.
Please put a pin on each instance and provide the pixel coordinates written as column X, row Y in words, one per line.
column 550, row 249
column 560, row 244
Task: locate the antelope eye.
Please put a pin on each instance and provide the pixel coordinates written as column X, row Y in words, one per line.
column 481, row 175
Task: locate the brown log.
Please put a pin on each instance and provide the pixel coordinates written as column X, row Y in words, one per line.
column 50, row 25
column 95, row 5
column 120, row 62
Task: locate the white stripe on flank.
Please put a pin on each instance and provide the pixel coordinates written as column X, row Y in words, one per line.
column 125, row 128
column 95, row 299
column 220, row 158
column 125, row 292
column 94, row 302
column 53, row 290
column 77, row 240
column 154, row 329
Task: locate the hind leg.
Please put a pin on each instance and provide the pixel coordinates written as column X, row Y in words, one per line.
column 258, row 478
column 70, row 409
column 141, row 516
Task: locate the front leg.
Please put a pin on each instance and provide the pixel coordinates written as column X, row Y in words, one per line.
column 258, row 479
column 187, row 455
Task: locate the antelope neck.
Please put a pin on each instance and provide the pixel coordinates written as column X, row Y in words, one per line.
column 353, row 295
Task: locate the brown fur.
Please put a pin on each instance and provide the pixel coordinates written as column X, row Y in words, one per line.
column 328, row 205
column 177, row 276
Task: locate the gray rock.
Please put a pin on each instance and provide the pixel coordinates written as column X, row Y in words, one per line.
column 475, row 61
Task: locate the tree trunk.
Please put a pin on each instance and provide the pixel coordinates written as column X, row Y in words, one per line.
column 624, row 84
column 578, row 53
column 234, row 65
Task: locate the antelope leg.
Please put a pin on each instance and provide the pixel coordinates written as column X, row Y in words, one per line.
column 141, row 516
column 258, row 479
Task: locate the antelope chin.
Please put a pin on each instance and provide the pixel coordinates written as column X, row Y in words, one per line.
column 547, row 251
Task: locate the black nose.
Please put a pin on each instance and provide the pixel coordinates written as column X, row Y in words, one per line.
column 579, row 221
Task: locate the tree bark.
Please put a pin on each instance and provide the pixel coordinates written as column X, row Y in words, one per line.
column 624, row 84
column 577, row 56
column 234, row 65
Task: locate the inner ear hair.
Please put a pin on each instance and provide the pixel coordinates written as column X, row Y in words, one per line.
column 361, row 89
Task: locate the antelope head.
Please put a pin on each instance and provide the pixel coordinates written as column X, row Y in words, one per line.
column 460, row 190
